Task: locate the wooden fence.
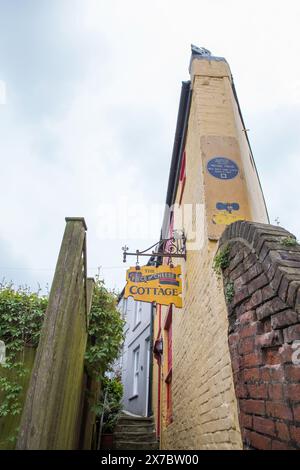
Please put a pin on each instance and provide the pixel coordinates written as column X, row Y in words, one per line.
column 56, row 412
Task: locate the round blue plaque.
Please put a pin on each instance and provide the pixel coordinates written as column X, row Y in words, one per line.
column 222, row 168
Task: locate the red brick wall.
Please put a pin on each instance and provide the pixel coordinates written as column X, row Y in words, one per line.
column 264, row 327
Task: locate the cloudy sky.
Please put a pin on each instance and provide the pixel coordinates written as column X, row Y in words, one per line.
column 91, row 98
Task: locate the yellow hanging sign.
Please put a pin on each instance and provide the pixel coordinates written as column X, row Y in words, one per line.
column 160, row 284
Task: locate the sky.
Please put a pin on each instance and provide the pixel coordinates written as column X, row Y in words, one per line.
column 89, row 94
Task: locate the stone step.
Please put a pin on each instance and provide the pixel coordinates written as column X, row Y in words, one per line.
column 125, row 420
column 135, row 433
column 136, row 417
column 135, row 436
column 129, row 445
column 143, row 428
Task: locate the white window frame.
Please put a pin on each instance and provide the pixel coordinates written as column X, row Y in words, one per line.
column 137, row 312
column 136, row 370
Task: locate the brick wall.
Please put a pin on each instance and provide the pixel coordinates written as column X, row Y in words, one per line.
column 204, row 404
column 205, row 413
column 263, row 273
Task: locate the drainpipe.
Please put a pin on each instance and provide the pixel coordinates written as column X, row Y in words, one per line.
column 101, row 422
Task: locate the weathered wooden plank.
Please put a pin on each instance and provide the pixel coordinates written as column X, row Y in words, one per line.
column 50, row 415
column 89, row 296
column 91, row 391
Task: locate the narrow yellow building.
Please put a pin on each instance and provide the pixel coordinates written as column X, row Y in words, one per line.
column 213, row 182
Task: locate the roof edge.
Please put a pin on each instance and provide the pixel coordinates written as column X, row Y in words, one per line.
column 180, row 132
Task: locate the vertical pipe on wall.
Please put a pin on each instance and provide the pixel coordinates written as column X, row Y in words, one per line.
column 150, row 405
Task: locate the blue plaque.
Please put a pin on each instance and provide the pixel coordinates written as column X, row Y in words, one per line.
column 222, row 168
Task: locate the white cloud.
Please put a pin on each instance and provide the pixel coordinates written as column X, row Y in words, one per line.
column 283, row 193
column 105, row 130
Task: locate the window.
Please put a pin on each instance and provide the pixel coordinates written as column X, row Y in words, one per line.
column 182, row 176
column 182, row 168
column 137, row 313
column 169, row 339
column 136, row 367
column 169, row 401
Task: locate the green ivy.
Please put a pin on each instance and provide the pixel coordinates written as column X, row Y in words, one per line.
column 229, row 292
column 21, row 317
column 288, row 241
column 110, row 403
column 105, row 330
column 221, row 260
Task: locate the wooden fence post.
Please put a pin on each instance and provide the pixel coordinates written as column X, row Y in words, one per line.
column 52, row 408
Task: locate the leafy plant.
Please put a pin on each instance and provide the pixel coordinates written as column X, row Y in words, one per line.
column 288, row 241
column 221, row 260
column 229, row 292
column 110, row 403
column 21, row 317
column 105, row 331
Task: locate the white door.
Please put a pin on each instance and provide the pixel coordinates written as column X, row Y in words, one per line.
column 136, row 370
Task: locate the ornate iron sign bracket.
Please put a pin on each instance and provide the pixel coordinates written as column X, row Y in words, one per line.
column 174, row 247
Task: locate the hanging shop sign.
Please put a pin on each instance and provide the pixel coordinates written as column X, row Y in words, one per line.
column 160, row 284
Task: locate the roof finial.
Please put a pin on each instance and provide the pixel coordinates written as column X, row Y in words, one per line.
column 199, row 51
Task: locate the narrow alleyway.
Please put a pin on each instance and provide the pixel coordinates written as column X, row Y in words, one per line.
column 135, row 433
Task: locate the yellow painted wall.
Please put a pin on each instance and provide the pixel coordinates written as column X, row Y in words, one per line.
column 205, row 412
